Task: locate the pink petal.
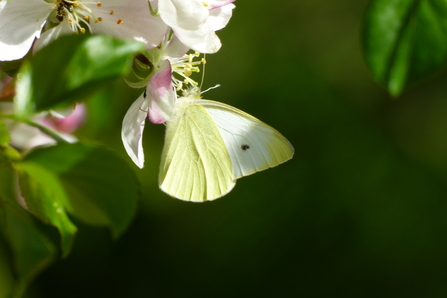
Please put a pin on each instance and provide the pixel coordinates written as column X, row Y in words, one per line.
column 161, row 94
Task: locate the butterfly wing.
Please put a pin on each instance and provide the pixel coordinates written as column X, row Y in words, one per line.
column 253, row 145
column 195, row 164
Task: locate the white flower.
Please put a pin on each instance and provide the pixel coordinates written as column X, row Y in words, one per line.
column 194, row 22
column 21, row 21
column 26, row 137
column 158, row 100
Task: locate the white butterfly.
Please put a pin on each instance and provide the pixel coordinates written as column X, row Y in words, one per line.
column 208, row 145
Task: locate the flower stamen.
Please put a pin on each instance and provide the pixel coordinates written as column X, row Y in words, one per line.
column 184, row 67
column 77, row 13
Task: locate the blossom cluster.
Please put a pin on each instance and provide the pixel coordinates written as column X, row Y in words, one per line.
column 168, row 28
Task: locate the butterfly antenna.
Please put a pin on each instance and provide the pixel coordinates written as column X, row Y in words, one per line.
column 203, row 77
column 214, row 87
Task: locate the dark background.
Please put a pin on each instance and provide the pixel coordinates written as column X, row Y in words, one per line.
column 360, row 211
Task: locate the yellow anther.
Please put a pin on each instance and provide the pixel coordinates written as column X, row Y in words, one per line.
column 70, row 20
column 111, row 12
column 203, row 60
column 119, row 22
column 206, row 4
column 87, row 18
column 82, row 30
column 99, row 19
column 98, row 4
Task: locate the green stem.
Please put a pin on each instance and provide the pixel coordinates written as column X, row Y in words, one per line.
column 46, row 131
column 8, row 116
column 53, row 134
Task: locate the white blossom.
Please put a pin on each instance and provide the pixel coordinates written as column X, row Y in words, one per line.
column 194, row 22
column 21, row 22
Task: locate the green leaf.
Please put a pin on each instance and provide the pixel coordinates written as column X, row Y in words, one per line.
column 7, row 193
column 71, row 68
column 7, row 280
column 45, row 197
column 33, row 251
column 4, row 134
column 101, row 189
column 11, row 67
column 8, row 185
column 405, row 41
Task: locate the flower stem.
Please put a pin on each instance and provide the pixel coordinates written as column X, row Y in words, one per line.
column 46, row 131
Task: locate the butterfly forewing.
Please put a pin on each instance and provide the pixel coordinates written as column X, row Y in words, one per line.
column 253, row 145
column 195, row 164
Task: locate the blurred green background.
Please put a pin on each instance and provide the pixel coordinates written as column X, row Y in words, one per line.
column 360, row 211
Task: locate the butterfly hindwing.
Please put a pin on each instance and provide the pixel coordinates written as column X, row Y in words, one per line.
column 252, row 145
column 195, row 163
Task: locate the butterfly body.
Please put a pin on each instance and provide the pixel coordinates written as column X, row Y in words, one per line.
column 206, row 149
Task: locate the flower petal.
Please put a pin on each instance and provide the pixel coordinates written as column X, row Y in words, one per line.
column 63, row 112
column 71, row 122
column 175, row 48
column 128, row 19
column 218, row 3
column 51, row 34
column 20, row 23
column 203, row 40
column 161, row 94
column 219, row 17
column 132, row 130
column 182, row 14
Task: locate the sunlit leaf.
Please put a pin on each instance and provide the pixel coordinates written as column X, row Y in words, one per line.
column 70, row 68
column 101, row 189
column 405, row 41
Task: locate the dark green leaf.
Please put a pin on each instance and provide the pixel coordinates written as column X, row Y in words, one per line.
column 101, row 189
column 8, row 194
column 405, row 41
column 33, row 250
column 45, row 197
column 7, row 280
column 71, row 68
column 10, row 67
column 8, row 185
